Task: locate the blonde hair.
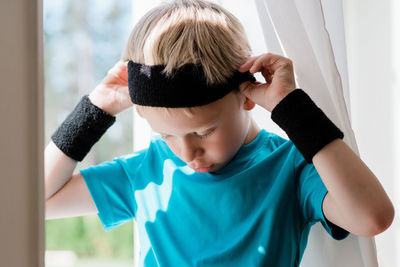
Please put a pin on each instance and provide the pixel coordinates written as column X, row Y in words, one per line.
column 189, row 31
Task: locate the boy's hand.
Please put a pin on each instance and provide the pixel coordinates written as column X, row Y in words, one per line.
column 279, row 76
column 112, row 94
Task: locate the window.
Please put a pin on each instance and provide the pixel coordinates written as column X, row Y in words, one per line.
column 82, row 40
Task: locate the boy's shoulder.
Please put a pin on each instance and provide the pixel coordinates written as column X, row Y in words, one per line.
column 275, row 139
column 273, row 142
column 283, row 146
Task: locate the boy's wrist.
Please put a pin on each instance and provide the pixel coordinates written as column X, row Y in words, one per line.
column 278, row 99
column 82, row 128
column 305, row 123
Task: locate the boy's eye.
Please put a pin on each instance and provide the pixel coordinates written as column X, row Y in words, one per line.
column 199, row 135
column 207, row 134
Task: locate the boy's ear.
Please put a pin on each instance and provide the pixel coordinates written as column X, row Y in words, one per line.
column 248, row 103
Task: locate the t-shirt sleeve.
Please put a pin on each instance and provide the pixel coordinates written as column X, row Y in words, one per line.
column 311, row 193
column 110, row 185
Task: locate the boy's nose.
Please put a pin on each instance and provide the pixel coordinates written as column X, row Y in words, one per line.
column 188, row 150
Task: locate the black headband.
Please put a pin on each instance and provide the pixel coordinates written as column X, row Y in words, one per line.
column 187, row 87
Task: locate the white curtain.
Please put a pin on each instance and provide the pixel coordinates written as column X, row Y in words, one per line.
column 311, row 33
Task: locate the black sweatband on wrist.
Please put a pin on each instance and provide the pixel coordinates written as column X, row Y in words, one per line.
column 82, row 128
column 305, row 123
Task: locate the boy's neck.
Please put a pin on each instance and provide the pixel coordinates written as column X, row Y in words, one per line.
column 252, row 132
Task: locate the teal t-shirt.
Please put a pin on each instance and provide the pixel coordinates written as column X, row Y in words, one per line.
column 256, row 211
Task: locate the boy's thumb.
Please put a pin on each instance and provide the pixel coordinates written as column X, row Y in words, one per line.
column 245, row 87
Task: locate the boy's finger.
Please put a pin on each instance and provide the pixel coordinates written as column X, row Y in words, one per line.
column 257, row 64
column 122, row 64
column 247, row 64
column 262, row 61
column 274, row 62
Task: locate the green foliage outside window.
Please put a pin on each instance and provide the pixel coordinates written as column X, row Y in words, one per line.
column 86, row 236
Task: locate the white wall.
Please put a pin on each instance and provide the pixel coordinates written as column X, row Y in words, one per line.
column 21, row 134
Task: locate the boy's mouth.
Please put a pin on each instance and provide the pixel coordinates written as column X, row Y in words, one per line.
column 203, row 169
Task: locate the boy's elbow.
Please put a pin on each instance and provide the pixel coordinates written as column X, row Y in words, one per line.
column 383, row 220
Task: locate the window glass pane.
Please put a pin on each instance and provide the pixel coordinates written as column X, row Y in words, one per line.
column 83, row 40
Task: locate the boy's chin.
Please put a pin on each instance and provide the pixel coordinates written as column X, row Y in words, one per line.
column 217, row 167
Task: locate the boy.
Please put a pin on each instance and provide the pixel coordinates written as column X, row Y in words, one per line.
column 213, row 189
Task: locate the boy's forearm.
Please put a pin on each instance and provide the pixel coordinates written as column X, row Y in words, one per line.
column 358, row 194
column 59, row 169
